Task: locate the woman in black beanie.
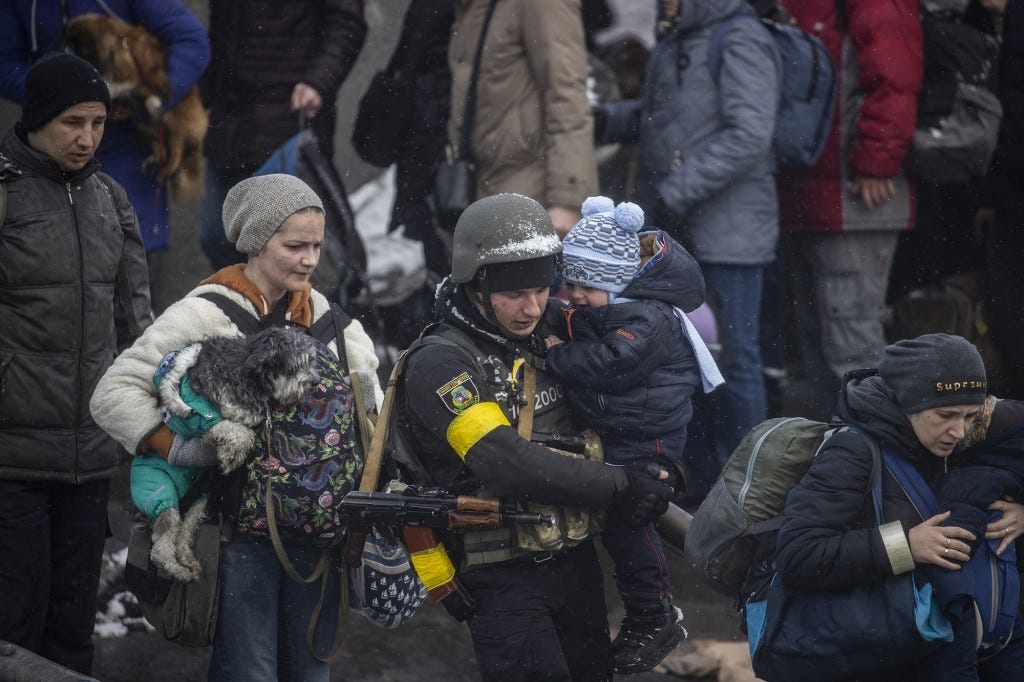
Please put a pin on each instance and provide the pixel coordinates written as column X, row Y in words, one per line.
column 918, row 406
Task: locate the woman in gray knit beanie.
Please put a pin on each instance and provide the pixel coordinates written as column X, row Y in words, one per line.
column 263, row 614
column 907, row 423
column 278, row 221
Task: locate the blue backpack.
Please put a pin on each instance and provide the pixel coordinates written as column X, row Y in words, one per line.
column 994, row 578
column 804, row 117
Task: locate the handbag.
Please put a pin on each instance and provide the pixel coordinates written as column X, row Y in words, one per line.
column 185, row 613
column 455, row 185
column 834, row 635
column 386, row 589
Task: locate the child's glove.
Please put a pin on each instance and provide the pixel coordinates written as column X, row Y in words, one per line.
column 191, row 452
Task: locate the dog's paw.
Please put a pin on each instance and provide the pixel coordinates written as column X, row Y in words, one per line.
column 189, row 564
column 233, row 441
column 166, row 531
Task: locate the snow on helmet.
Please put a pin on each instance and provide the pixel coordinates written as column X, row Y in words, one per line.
column 503, row 228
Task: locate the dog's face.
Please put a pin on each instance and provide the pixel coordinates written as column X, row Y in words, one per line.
column 130, row 58
column 281, row 362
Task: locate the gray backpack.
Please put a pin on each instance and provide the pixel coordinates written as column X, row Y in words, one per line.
column 748, row 497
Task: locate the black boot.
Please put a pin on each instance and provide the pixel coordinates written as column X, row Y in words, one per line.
column 650, row 630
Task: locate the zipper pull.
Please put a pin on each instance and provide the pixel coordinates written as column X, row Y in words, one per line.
column 70, row 198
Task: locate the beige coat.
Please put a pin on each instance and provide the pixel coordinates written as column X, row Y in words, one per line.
column 533, row 132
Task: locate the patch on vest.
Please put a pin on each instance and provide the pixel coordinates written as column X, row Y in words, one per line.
column 459, row 394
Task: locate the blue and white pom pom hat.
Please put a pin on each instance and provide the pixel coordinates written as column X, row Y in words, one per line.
column 602, row 251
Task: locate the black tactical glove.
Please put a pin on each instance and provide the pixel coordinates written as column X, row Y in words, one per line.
column 646, row 498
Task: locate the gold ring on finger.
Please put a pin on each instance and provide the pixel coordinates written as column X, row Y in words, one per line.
column 947, row 541
column 945, row 552
column 1006, row 532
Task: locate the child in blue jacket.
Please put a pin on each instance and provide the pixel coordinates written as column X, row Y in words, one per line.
column 630, row 368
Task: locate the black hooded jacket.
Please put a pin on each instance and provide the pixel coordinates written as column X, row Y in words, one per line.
column 829, row 537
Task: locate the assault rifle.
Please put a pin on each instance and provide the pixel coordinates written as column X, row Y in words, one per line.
column 434, row 509
column 419, row 513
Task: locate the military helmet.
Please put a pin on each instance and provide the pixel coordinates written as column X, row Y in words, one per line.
column 503, row 228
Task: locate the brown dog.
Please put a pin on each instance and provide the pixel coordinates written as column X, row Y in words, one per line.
column 134, row 64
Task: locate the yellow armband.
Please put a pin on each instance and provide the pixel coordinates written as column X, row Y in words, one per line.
column 472, row 424
column 433, row 566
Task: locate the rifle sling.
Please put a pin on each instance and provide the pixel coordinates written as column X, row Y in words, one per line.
column 525, row 426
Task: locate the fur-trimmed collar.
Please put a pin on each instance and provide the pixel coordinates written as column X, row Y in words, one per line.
column 233, row 277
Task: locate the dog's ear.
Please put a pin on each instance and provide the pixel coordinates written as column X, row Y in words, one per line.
column 270, row 349
column 89, row 37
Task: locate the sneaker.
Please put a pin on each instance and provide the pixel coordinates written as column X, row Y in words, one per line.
column 646, row 637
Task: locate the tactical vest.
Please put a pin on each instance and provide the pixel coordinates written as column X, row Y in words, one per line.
column 551, row 423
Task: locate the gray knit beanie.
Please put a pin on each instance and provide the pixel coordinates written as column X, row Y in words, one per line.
column 256, row 207
column 934, row 370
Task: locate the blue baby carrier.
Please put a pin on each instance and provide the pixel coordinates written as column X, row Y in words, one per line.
column 994, row 578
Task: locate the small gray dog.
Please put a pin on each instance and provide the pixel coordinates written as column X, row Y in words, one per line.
column 242, row 376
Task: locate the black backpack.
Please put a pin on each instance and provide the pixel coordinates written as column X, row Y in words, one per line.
column 958, row 111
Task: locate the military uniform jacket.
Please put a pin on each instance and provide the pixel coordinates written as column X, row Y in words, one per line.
column 458, row 412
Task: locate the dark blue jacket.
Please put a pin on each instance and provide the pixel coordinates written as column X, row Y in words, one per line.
column 629, row 366
column 123, row 148
column 829, row 538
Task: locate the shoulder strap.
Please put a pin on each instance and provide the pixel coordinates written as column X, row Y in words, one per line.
column 525, row 426
column 469, row 114
column 874, row 480
column 245, row 322
column 331, row 327
column 912, row 483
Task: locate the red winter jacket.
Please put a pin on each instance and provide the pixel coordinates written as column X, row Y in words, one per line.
column 879, row 59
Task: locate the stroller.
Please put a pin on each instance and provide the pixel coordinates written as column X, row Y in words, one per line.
column 383, row 284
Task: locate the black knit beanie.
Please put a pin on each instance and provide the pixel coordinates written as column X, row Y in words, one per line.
column 934, row 370
column 57, row 82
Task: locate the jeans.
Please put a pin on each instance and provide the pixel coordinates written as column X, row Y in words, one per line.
column 261, row 624
column 740, row 403
column 51, row 547
column 212, row 239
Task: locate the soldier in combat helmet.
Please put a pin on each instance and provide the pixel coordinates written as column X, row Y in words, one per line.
column 474, row 384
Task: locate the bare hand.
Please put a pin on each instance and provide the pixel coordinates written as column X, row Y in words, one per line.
column 306, row 99
column 564, row 219
column 943, row 546
column 551, row 341
column 873, row 191
column 1008, row 528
